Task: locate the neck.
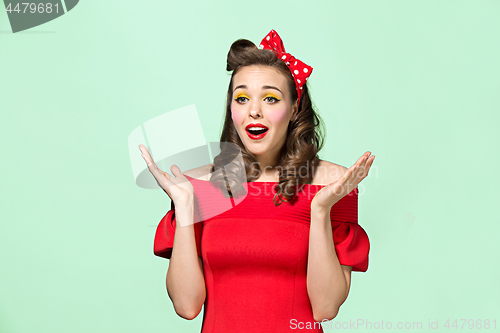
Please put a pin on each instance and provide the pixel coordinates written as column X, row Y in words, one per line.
column 268, row 166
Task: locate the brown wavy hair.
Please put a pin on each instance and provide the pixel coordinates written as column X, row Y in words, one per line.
column 304, row 135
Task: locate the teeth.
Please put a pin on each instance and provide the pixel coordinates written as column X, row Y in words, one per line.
column 256, row 128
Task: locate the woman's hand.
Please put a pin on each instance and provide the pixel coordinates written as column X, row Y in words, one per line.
column 178, row 188
column 324, row 200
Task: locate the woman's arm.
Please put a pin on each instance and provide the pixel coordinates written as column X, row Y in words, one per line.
column 185, row 280
column 328, row 281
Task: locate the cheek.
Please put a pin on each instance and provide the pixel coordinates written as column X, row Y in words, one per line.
column 238, row 117
column 279, row 117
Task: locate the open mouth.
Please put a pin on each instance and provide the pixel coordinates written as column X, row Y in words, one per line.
column 256, row 131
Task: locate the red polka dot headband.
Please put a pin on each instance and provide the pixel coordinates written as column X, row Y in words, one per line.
column 300, row 71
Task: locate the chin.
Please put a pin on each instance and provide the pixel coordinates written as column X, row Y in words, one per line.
column 255, row 147
column 256, row 151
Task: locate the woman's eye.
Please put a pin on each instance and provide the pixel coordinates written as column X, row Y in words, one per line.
column 241, row 99
column 272, row 99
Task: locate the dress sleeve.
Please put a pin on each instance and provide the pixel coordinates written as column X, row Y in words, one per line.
column 350, row 239
column 165, row 232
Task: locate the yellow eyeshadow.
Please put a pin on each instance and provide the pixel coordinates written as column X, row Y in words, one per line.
column 241, row 95
column 271, row 95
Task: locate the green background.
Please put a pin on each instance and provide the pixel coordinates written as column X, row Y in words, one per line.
column 414, row 82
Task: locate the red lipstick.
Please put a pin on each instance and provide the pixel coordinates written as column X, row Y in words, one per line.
column 256, row 131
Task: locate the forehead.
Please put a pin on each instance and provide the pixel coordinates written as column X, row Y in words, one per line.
column 254, row 77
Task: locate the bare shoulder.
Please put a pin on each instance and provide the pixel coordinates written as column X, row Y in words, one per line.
column 327, row 172
column 202, row 172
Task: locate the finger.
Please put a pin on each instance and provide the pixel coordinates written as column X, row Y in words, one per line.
column 157, row 173
column 146, row 154
column 369, row 163
column 362, row 164
column 147, row 159
column 348, row 173
column 143, row 149
column 176, row 171
column 364, row 158
column 151, row 164
column 172, row 181
column 363, row 170
column 168, row 176
column 163, row 179
column 361, row 160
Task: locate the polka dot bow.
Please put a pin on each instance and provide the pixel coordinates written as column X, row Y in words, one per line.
column 300, row 71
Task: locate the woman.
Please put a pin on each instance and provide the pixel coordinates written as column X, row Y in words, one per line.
column 280, row 256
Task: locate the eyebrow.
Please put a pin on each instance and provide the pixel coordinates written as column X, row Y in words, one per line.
column 263, row 87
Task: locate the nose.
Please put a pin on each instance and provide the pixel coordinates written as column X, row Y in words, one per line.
column 255, row 114
column 255, row 111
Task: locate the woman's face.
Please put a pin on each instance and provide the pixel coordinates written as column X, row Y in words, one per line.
column 261, row 97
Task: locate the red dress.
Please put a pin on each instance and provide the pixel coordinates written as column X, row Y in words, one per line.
column 255, row 255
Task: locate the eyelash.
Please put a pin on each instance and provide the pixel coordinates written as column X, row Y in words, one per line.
column 238, row 99
column 275, row 100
